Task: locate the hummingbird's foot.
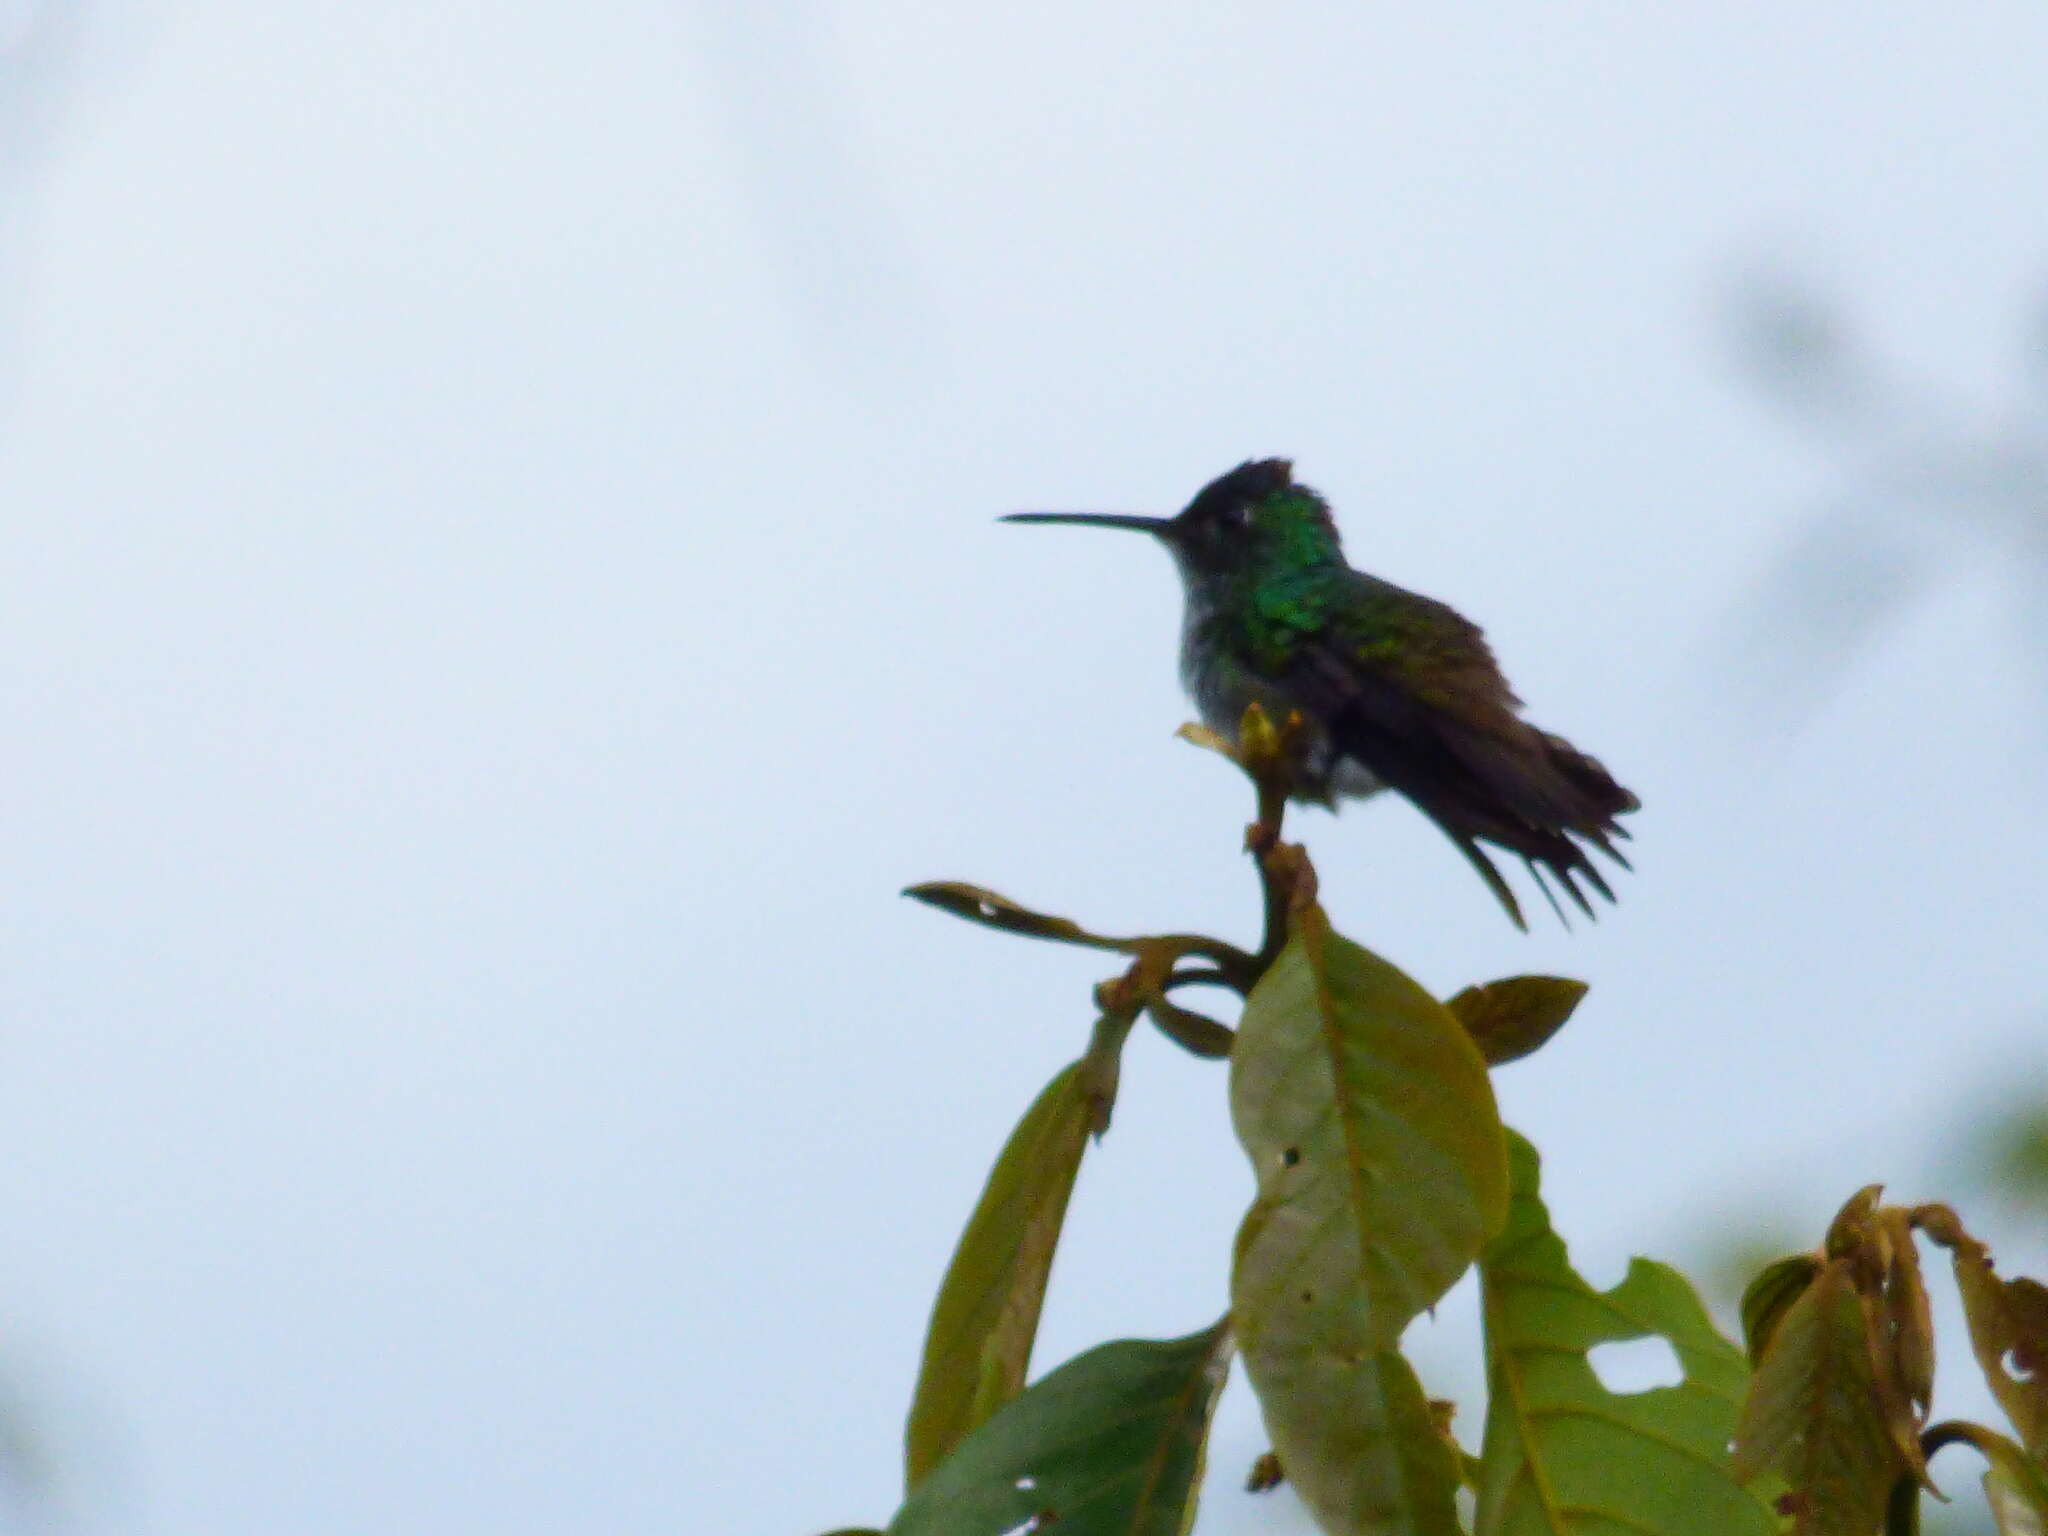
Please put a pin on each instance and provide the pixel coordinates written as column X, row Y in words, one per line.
column 1261, row 838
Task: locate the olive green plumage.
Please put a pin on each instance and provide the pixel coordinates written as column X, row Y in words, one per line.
column 1398, row 691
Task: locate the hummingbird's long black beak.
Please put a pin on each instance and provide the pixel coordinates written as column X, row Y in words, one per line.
column 1154, row 525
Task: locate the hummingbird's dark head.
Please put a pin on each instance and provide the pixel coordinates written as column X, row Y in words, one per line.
column 1255, row 518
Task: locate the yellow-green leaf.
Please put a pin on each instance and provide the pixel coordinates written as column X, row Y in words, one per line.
column 1509, row 1019
column 1375, row 1140
column 978, row 1347
column 1372, row 1130
column 1110, row 1444
column 1817, row 1412
column 1563, row 1456
column 1765, row 1299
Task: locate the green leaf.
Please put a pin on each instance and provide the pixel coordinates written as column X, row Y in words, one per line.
column 1767, row 1296
column 1372, row 1130
column 1818, row 1414
column 978, row 1347
column 1110, row 1444
column 1374, row 1137
column 1509, row 1019
column 1563, row 1454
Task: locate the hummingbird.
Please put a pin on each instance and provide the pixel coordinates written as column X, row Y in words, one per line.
column 1395, row 690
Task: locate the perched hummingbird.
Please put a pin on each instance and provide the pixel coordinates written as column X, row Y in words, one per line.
column 1397, row 691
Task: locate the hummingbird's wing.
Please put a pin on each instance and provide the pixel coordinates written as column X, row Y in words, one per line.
column 1432, row 717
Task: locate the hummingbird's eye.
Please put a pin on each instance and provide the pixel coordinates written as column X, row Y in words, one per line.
column 1237, row 516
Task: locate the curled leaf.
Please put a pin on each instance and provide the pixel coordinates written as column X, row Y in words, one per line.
column 1194, row 1032
column 1851, row 1230
column 1769, row 1294
column 978, row 905
column 1510, row 1019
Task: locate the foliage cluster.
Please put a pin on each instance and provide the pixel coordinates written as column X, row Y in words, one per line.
column 1383, row 1174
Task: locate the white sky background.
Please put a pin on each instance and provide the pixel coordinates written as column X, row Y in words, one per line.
column 498, row 591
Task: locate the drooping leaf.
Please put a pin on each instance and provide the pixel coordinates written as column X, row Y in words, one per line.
column 1774, row 1289
column 978, row 1346
column 1563, row 1456
column 1110, row 1444
column 1372, row 1130
column 2009, row 1333
column 1509, row 1019
column 1374, row 1137
column 1817, row 1412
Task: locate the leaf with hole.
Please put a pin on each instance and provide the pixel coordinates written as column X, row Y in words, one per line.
column 1562, row 1455
column 1110, row 1444
column 1510, row 1019
column 978, row 1347
column 2009, row 1333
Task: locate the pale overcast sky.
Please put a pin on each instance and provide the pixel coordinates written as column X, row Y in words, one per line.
column 498, row 591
